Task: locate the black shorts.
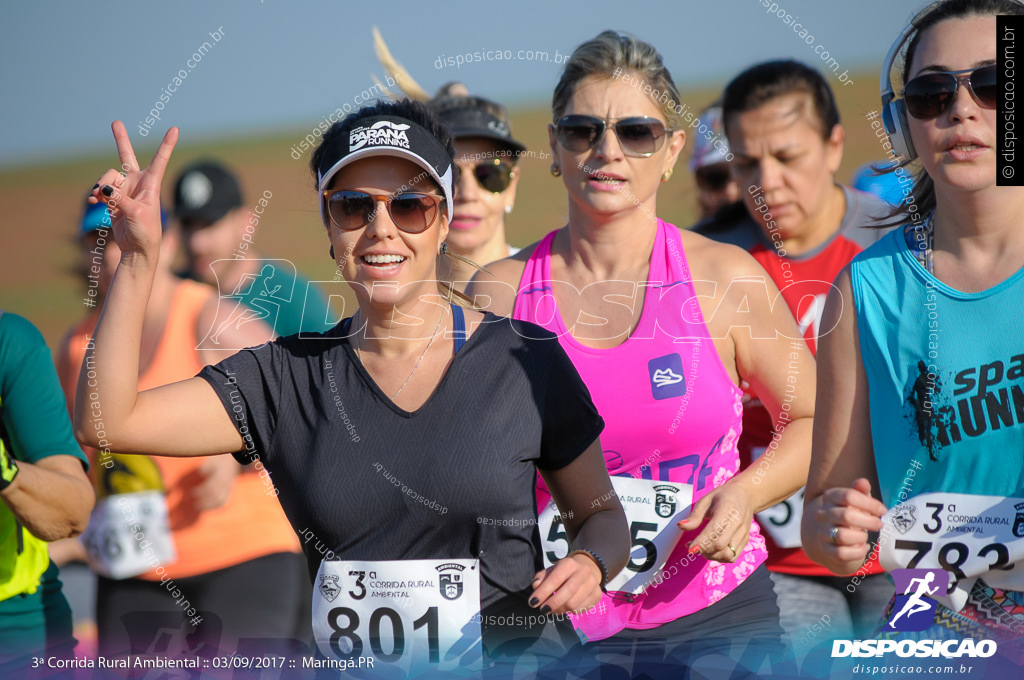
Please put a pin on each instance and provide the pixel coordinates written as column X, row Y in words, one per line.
column 261, row 603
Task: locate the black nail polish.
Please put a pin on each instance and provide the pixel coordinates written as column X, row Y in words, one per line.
column 108, row 190
column 533, row 601
column 545, row 609
column 95, row 186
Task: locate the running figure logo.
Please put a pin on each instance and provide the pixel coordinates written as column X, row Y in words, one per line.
column 913, row 608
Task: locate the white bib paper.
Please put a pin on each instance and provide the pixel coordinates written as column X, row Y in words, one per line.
column 652, row 510
column 416, row 616
column 969, row 536
column 129, row 534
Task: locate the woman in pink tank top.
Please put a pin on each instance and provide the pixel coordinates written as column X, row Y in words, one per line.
column 663, row 326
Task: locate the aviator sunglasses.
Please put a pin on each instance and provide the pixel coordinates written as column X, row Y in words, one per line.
column 494, row 175
column 349, row 210
column 930, row 95
column 638, row 135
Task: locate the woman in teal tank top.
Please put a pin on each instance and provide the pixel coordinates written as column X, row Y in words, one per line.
column 928, row 417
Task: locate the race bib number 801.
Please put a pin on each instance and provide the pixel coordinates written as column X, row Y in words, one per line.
column 421, row 616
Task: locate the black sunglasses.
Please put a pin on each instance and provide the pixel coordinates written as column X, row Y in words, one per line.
column 494, row 175
column 638, row 135
column 713, row 178
column 931, row 94
column 350, row 210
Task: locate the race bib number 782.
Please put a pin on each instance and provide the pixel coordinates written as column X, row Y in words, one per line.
column 969, row 536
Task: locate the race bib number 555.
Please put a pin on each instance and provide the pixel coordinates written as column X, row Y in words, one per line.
column 420, row 616
column 969, row 536
column 652, row 510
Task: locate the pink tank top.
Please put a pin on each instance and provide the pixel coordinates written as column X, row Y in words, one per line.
column 672, row 414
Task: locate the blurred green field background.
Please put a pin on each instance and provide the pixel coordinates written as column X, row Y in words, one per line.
column 44, row 202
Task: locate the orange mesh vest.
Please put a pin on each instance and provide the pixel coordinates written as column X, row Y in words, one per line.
column 251, row 524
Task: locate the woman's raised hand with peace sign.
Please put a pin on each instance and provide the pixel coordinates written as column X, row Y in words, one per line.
column 184, row 418
column 133, row 196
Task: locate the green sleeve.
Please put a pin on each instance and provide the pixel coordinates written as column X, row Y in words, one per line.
column 35, row 417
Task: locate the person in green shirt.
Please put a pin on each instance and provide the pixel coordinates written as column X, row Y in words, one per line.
column 45, row 496
column 218, row 230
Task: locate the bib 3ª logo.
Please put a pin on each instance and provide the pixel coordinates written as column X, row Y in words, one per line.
column 329, row 587
column 1018, row 522
column 665, row 500
column 450, row 580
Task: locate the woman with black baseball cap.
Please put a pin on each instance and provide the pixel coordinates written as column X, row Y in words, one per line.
column 404, row 443
column 485, row 192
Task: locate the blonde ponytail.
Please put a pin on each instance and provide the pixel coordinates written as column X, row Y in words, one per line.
column 396, row 71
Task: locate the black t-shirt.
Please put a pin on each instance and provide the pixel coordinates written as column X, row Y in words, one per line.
column 466, row 461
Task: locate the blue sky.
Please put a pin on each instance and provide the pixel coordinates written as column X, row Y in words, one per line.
column 71, row 68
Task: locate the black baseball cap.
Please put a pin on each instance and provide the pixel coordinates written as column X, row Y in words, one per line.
column 206, row 191
column 388, row 135
column 470, row 117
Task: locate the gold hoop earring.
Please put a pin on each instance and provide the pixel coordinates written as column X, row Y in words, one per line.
column 666, row 175
column 555, row 170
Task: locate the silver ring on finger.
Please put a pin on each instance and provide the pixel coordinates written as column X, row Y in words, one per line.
column 832, row 534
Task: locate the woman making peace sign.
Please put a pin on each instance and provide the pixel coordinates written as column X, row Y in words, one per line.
column 386, row 437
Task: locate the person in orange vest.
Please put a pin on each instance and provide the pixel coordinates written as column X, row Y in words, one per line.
column 176, row 541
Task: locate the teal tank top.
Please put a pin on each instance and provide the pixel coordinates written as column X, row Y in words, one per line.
column 945, row 373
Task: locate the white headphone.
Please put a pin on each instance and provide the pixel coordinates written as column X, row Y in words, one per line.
column 894, row 110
